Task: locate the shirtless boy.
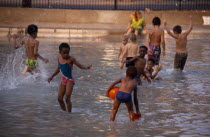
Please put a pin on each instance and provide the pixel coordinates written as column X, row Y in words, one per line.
column 154, row 40
column 131, row 49
column 122, row 49
column 181, row 44
column 124, row 95
column 31, row 48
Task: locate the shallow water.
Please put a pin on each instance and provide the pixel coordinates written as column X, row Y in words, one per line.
column 177, row 106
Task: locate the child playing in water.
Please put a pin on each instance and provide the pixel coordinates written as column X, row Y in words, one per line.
column 149, row 70
column 140, row 62
column 65, row 66
column 137, row 23
column 131, row 49
column 127, row 85
column 181, row 44
column 122, row 48
column 31, row 48
column 154, row 39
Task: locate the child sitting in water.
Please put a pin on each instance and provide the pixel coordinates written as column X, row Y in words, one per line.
column 127, row 85
column 121, row 50
column 65, row 66
column 181, row 44
column 31, row 48
column 149, row 70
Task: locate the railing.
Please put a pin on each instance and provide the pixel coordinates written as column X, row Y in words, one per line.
column 111, row 4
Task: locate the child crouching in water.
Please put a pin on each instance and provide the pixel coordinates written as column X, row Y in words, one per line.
column 149, row 70
column 128, row 84
column 65, row 66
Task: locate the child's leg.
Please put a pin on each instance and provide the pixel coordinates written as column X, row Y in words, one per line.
column 130, row 110
column 25, row 70
column 61, row 93
column 69, row 89
column 116, row 105
column 136, row 102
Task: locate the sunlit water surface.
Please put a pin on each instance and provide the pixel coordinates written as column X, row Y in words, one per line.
column 179, row 105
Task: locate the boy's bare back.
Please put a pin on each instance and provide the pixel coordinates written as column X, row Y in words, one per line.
column 132, row 49
column 31, row 45
column 155, row 36
column 128, row 84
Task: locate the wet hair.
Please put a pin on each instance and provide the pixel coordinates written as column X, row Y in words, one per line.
column 125, row 37
column 152, row 60
column 177, row 29
column 132, row 37
column 144, row 47
column 64, row 46
column 32, row 29
column 156, row 21
column 131, row 72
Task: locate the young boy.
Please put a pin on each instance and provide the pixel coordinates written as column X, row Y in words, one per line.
column 122, row 49
column 149, row 69
column 31, row 48
column 140, row 63
column 131, row 49
column 127, row 85
column 65, row 66
column 181, row 44
column 154, row 39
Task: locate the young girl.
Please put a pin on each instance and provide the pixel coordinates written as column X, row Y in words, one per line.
column 65, row 66
column 149, row 70
column 121, row 50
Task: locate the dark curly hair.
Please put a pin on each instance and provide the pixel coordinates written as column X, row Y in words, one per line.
column 131, row 72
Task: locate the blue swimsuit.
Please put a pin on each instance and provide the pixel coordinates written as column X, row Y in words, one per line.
column 66, row 71
column 123, row 97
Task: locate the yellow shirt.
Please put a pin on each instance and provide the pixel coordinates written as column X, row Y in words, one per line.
column 137, row 24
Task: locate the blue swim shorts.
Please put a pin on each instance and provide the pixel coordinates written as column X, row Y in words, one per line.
column 123, row 97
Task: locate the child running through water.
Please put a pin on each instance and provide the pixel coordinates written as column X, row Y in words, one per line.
column 31, row 48
column 121, row 50
column 127, row 85
column 65, row 66
column 154, row 39
column 181, row 44
column 149, row 70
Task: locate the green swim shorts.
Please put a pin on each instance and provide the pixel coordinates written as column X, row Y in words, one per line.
column 31, row 63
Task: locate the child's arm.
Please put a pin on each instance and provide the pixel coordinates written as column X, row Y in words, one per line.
column 163, row 42
column 168, row 31
column 131, row 60
column 147, row 42
column 17, row 45
column 124, row 55
column 80, row 65
column 147, row 77
column 36, row 49
column 120, row 52
column 158, row 68
column 112, row 85
column 190, row 27
column 43, row 59
column 136, row 102
column 54, row 74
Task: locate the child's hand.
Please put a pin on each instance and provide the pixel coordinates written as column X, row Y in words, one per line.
column 46, row 60
column 88, row 67
column 150, row 52
column 15, row 36
column 164, row 22
column 49, row 79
